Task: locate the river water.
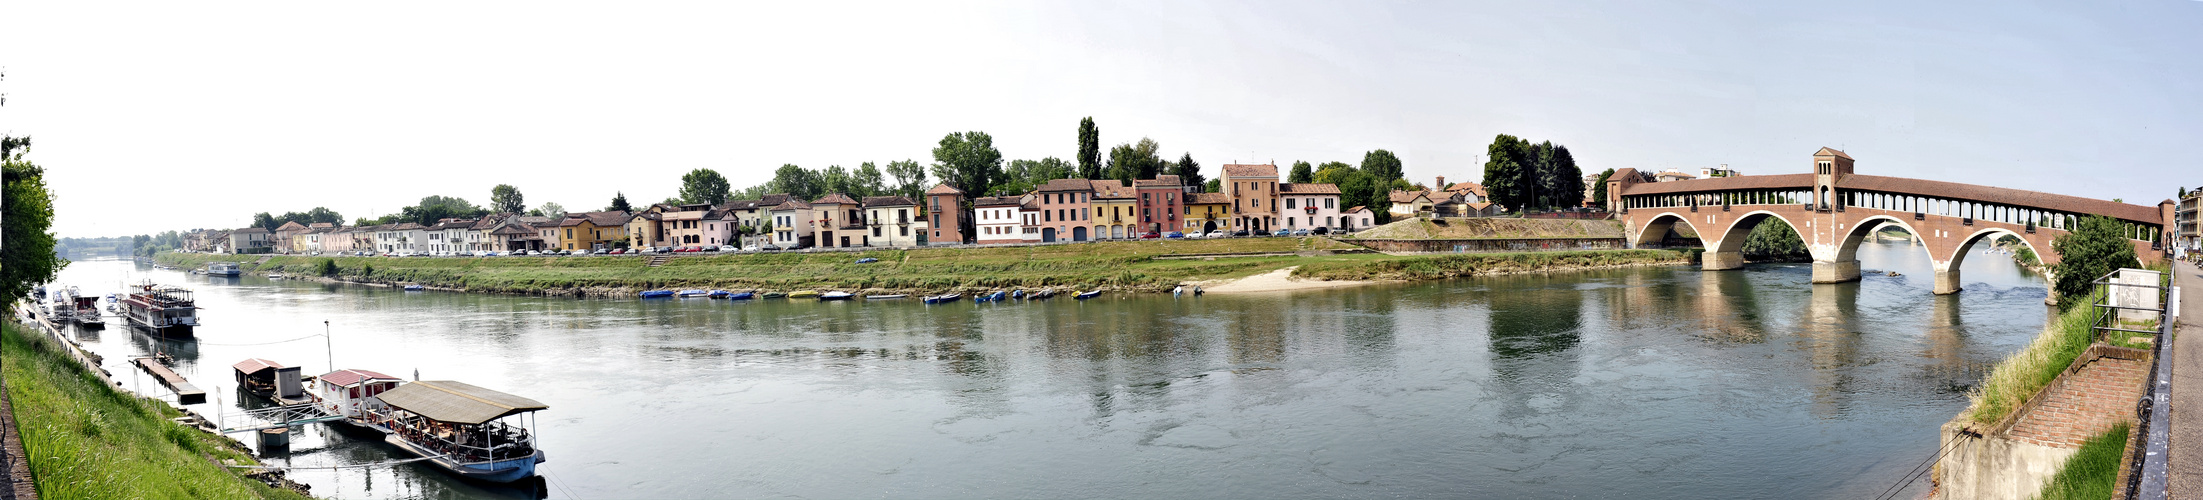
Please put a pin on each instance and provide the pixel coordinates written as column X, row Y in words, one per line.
column 1639, row 383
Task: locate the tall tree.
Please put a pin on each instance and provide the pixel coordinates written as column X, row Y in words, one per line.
column 324, row 215
column 704, row 185
column 1187, row 170
column 619, row 204
column 1383, row 165
column 1540, row 175
column 264, row 221
column 554, row 210
column 1333, row 172
column 1302, row 172
column 1598, row 190
column 1130, row 161
column 506, row 198
column 968, row 161
column 1567, row 179
column 799, row 183
column 28, row 258
column 2095, row 248
column 910, row 178
column 868, row 181
column 1503, row 171
column 837, row 180
column 1090, row 165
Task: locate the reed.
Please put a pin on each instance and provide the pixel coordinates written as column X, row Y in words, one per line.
column 2026, row 372
column 2093, row 472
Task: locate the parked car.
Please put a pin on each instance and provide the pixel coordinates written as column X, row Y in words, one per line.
column 728, row 248
column 1150, row 235
column 1239, row 234
column 1217, row 234
column 1300, row 232
column 1174, row 235
column 1323, row 230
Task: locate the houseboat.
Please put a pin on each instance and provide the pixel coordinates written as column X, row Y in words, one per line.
column 224, row 269
column 272, row 380
column 470, row 431
column 344, row 393
column 166, row 310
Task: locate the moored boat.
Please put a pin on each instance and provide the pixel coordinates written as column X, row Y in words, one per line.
column 416, row 288
column 272, row 380
column 742, row 296
column 885, row 297
column 774, row 295
column 469, row 431
column 1087, row 295
column 224, row 269
column 836, row 296
column 344, row 393
column 693, row 293
column 944, row 298
column 997, row 296
column 166, row 310
column 1042, row 295
column 720, row 294
column 802, row 294
column 656, row 294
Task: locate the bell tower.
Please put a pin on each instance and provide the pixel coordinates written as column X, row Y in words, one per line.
column 1829, row 164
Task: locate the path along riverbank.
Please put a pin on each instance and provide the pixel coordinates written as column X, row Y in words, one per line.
column 1129, row 266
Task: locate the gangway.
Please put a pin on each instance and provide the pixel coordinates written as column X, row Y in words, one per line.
column 276, row 417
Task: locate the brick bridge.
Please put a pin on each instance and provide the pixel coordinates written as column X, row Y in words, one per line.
column 1834, row 209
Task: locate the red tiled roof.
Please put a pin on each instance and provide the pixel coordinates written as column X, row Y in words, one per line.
column 1356, row 208
column 350, row 377
column 1208, row 199
column 997, row 201
column 1827, row 151
column 1474, row 187
column 792, row 204
column 944, row 189
column 1307, row 188
column 1399, row 196
column 888, row 201
column 834, row 199
column 1055, row 185
column 1158, row 181
column 1237, row 170
column 1110, row 189
column 1915, row 187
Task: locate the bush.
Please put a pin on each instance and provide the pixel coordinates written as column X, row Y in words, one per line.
column 328, row 267
column 2094, row 249
column 1774, row 239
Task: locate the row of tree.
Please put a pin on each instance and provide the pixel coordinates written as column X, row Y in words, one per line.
column 1532, row 176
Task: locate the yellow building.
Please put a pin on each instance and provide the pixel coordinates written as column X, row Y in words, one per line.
column 1207, row 212
column 1116, row 210
column 592, row 230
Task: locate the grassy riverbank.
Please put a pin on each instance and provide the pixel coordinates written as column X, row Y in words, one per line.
column 87, row 440
column 2026, row 372
column 1149, row 265
column 1465, row 265
column 2092, row 473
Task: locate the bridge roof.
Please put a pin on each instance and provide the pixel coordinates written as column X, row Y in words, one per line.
column 1915, row 187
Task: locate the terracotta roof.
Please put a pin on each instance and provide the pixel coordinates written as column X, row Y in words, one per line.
column 1399, row 196
column 834, row 199
column 944, row 189
column 1250, row 170
column 351, row 377
column 1782, row 181
column 250, row 230
column 1307, row 188
column 1208, row 199
column 1055, row 185
column 773, row 200
column 792, row 204
column 1479, row 188
column 290, row 226
column 453, row 224
column 601, row 219
column 513, row 229
column 1356, row 208
column 321, row 225
column 1827, row 151
column 888, row 201
column 997, row 201
column 1030, row 206
column 1111, row 189
column 1915, row 187
column 406, row 226
column 1158, row 181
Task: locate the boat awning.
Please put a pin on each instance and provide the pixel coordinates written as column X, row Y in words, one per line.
column 351, row 377
column 456, row 402
column 255, row 365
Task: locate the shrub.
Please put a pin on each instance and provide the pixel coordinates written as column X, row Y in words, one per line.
column 2094, row 249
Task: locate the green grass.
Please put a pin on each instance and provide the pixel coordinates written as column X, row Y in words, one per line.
column 2093, row 472
column 87, row 440
column 1463, row 265
column 2026, row 372
column 1128, row 265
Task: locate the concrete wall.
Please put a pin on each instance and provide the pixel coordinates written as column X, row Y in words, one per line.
column 1994, row 466
column 1419, row 247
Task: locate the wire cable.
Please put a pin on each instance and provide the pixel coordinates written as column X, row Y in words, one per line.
column 333, row 467
column 1916, row 471
column 262, row 343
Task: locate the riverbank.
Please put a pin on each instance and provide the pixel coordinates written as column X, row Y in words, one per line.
column 1130, row 266
column 87, row 440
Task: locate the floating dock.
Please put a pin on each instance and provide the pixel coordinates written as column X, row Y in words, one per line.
column 186, row 394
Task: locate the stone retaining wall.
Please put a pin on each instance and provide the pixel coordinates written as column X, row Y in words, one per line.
column 1494, row 245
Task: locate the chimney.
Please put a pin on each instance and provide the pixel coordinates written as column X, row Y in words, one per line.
column 1441, row 183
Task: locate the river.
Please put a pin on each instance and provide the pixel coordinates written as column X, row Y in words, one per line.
column 1659, row 382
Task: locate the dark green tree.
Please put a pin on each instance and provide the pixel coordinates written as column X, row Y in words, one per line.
column 619, row 204
column 1775, row 240
column 704, row 185
column 1567, row 179
column 1382, row 165
column 1090, row 165
column 1213, row 186
column 1598, row 190
column 868, row 181
column 1504, row 171
column 506, row 198
column 910, row 178
column 837, row 180
column 2094, row 249
column 1131, row 161
column 1302, row 172
column 264, row 221
column 1188, row 171
column 323, row 215
column 968, row 161
column 28, row 259
column 799, row 183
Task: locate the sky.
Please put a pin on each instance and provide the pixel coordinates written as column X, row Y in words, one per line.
column 182, row 115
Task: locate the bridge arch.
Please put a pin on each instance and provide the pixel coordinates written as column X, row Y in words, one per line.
column 1733, row 239
column 1847, row 250
column 1656, row 229
column 1958, row 253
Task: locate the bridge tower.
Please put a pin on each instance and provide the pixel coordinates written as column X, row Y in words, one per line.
column 1829, row 264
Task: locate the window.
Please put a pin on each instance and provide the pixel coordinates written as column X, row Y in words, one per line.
column 1288, row 203
column 1328, row 201
column 1826, row 167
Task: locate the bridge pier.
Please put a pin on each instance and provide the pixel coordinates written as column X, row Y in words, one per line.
column 1716, row 260
column 1835, row 271
column 1947, row 281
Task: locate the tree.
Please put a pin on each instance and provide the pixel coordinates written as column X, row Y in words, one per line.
column 968, row 161
column 505, row 198
column 264, row 221
column 1503, row 172
column 1132, row 161
column 1188, row 171
column 555, row 211
column 1598, row 190
column 1023, row 176
column 28, row 258
column 910, row 177
column 1383, row 165
column 1090, row 166
column 1567, row 187
column 619, row 204
column 1302, row 173
column 704, row 185
column 1213, row 186
column 2094, row 249
column 837, row 180
column 1332, row 172
column 323, row 215
column 1774, row 239
column 868, row 181
column 799, row 183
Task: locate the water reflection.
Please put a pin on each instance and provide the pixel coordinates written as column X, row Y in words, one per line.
column 1657, row 382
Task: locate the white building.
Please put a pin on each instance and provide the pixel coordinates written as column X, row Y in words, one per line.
column 999, row 220
column 791, row 223
column 1308, row 206
column 893, row 221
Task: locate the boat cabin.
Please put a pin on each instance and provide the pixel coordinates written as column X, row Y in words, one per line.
column 342, row 392
column 270, row 379
column 471, row 431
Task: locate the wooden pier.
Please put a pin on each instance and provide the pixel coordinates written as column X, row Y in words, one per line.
column 186, row 394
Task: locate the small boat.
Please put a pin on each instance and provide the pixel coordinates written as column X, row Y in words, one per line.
column 802, row 294
column 885, row 297
column 275, row 381
column 416, row 288
column 166, row 310
column 1019, row 294
column 225, row 269
column 944, row 298
column 867, row 260
column 1180, row 290
column 657, row 294
column 720, row 294
column 469, row 431
column 1088, row 295
column 742, row 296
column 1042, row 295
column 693, row 293
column 344, row 393
column 275, row 276
column 997, row 296
column 836, row 296
column 774, row 295
column 1197, row 291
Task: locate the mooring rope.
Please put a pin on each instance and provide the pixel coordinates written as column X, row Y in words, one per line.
column 357, row 466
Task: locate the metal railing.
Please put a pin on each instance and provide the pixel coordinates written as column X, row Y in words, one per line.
column 2146, row 477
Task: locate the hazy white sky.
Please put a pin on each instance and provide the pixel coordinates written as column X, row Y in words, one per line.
column 159, row 116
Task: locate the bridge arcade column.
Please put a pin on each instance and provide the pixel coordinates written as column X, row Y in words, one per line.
column 1946, row 278
column 1835, row 271
column 1717, row 260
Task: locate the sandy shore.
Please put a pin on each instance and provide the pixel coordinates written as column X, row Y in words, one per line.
column 1274, row 281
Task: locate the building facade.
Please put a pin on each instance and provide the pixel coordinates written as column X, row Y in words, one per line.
column 1309, row 205
column 1253, row 189
column 1066, row 208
